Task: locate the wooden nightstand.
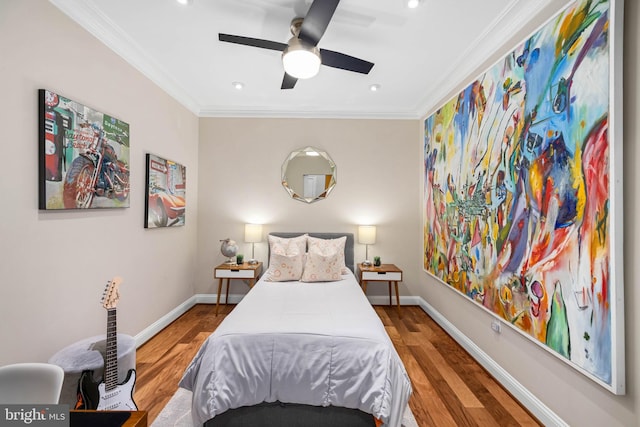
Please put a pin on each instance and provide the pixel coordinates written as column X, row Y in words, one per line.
column 250, row 272
column 383, row 273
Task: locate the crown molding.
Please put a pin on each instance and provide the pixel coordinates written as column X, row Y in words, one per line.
column 89, row 17
column 267, row 112
column 490, row 46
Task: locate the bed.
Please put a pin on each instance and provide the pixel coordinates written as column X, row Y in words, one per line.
column 312, row 352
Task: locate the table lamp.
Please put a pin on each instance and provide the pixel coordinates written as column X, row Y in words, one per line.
column 253, row 235
column 367, row 236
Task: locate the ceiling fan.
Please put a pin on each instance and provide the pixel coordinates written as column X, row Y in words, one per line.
column 301, row 56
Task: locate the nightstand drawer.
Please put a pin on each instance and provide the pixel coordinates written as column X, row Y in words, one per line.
column 235, row 274
column 381, row 275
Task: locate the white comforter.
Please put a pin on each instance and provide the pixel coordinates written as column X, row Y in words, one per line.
column 311, row 343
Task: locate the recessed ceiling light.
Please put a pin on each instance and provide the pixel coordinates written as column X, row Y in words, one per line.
column 238, row 85
column 185, row 2
column 374, row 88
column 412, row 4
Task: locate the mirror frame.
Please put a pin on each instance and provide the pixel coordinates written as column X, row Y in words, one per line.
column 303, row 152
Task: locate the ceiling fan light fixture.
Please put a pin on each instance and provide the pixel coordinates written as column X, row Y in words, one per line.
column 412, row 4
column 301, row 60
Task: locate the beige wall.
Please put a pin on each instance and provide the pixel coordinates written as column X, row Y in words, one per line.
column 54, row 265
column 377, row 183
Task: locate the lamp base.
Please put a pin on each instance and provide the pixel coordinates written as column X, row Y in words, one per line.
column 366, row 263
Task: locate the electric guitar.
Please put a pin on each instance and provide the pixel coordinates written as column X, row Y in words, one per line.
column 108, row 395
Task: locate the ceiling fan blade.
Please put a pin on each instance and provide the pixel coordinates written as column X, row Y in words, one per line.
column 248, row 41
column 317, row 20
column 288, row 82
column 345, row 62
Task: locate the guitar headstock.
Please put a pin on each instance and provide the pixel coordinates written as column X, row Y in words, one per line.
column 111, row 295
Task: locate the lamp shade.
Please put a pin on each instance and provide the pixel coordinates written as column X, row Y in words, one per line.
column 301, row 60
column 253, row 233
column 367, row 234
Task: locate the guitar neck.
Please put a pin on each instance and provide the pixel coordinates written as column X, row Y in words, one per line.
column 111, row 361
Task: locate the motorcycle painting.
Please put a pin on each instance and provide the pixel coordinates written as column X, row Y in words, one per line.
column 84, row 156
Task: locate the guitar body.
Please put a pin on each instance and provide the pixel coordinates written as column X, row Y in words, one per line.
column 108, row 395
column 95, row 396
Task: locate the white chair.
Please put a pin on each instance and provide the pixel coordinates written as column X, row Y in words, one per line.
column 30, row 383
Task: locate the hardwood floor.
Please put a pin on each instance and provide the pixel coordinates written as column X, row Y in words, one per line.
column 449, row 387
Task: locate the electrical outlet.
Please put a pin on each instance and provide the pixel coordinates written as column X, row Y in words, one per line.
column 495, row 325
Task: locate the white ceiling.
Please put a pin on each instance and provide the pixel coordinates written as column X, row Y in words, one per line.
column 421, row 55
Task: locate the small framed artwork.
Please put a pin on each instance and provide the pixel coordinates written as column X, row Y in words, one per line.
column 83, row 156
column 166, row 185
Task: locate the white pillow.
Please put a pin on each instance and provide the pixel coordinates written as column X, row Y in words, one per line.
column 299, row 241
column 322, row 265
column 337, row 245
column 285, row 263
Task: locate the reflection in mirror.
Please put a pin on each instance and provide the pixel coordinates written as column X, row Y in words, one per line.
column 308, row 174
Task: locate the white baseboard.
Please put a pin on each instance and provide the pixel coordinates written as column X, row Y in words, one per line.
column 147, row 333
column 528, row 400
column 211, row 298
column 545, row 415
column 384, row 300
column 165, row 320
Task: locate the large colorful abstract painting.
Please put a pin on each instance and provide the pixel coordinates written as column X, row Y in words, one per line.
column 522, row 191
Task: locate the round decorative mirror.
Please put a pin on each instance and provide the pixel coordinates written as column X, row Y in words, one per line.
column 308, row 174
